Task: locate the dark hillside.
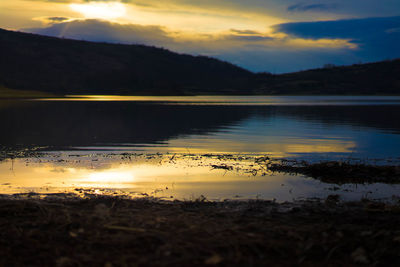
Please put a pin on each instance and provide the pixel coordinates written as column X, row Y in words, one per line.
column 381, row 78
column 60, row 66
column 33, row 62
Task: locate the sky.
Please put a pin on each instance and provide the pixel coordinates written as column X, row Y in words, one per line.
column 274, row 36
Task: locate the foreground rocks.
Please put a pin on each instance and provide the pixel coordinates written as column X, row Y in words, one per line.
column 104, row 231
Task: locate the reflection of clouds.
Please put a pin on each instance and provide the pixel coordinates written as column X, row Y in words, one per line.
column 280, row 147
column 59, row 170
column 182, row 178
column 114, row 177
column 122, row 173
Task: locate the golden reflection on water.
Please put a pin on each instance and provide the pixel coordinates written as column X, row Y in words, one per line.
column 277, row 148
column 170, row 176
column 252, row 100
column 177, row 99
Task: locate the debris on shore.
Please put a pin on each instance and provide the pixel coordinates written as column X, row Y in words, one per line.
column 110, row 231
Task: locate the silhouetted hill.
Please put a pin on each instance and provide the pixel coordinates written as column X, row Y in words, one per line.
column 61, row 66
column 381, row 78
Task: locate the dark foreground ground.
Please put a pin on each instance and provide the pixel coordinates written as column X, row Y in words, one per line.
column 68, row 231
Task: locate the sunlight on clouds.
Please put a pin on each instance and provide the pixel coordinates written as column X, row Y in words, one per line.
column 231, row 41
column 199, row 27
column 17, row 14
column 282, row 40
column 324, row 43
column 100, row 10
column 53, row 20
column 194, row 20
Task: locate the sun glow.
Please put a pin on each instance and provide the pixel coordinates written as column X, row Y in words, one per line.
column 100, row 10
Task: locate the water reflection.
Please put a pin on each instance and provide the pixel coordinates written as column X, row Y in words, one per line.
column 357, row 126
column 240, row 100
column 169, row 176
column 313, row 128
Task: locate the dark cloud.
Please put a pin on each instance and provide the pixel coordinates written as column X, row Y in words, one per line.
column 247, row 32
column 248, row 38
column 377, row 38
column 351, row 28
column 57, row 19
column 310, row 7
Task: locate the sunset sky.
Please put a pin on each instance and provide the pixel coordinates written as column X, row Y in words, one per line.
column 260, row 35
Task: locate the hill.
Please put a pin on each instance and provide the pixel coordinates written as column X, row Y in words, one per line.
column 51, row 65
column 60, row 66
column 380, row 78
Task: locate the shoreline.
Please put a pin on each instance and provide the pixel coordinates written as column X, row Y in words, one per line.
column 87, row 228
column 334, row 171
column 112, row 231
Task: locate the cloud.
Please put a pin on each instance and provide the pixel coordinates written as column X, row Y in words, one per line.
column 52, row 20
column 246, row 32
column 248, row 38
column 352, row 28
column 290, row 47
column 104, row 31
column 57, row 19
column 310, row 7
column 274, row 8
column 377, row 38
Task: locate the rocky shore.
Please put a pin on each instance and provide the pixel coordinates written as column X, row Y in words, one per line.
column 70, row 230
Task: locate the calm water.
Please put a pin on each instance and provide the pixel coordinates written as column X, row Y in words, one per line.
column 312, row 128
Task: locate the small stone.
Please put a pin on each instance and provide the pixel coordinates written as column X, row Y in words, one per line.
column 72, row 234
column 339, row 234
column 213, row 260
column 64, row 262
column 360, row 256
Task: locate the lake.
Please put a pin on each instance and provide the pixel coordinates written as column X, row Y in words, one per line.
column 83, row 138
